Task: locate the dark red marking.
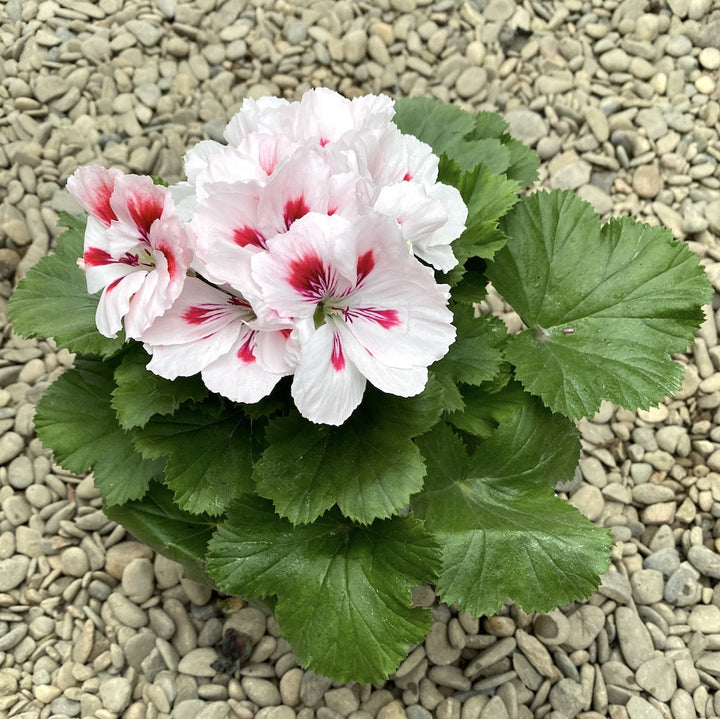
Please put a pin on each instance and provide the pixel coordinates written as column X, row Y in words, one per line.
column 294, row 210
column 246, row 235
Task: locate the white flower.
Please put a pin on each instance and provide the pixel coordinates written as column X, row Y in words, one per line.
column 136, row 250
column 363, row 307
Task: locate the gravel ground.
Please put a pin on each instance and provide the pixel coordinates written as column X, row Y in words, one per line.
column 620, row 99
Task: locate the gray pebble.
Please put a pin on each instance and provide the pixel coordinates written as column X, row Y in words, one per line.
column 116, row 693
column 127, row 612
column 260, row 691
column 526, row 126
column 312, row 688
column 615, row 586
column 138, row 580
column 355, row 46
column 657, row 677
column 438, row 648
column 647, row 586
column 705, row 561
column 13, row 571
column 11, row 444
column 585, row 624
column 566, row 696
column 13, row 637
column 138, row 647
column 16, row 509
column 635, row 642
column 197, row 662
column 74, row 562
column 20, row 472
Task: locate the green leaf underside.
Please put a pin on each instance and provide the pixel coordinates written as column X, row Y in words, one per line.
column 605, row 307
column 52, row 299
column 76, row 420
column 158, row 522
column 369, row 466
column 209, row 455
column 141, row 394
column 333, row 580
column 503, row 531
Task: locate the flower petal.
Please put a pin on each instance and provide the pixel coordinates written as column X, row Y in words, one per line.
column 326, row 386
column 92, row 186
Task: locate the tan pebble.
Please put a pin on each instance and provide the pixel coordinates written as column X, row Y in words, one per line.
column 121, row 554
column 705, row 85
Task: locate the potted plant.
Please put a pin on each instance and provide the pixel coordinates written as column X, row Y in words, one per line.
column 283, row 379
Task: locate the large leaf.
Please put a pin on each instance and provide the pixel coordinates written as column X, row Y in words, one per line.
column 605, row 307
column 504, row 532
column 209, row 453
column 141, row 394
column 368, row 466
column 52, row 299
column 75, row 419
column 343, row 590
column 180, row 536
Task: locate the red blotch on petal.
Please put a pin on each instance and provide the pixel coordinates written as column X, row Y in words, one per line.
column 144, row 210
column 365, row 265
column 337, row 358
column 245, row 352
column 100, row 202
column 407, row 177
column 323, row 141
column 294, row 210
column 96, row 257
column 170, row 259
column 246, row 235
column 309, row 277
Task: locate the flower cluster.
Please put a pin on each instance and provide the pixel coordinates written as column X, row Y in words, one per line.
column 305, row 246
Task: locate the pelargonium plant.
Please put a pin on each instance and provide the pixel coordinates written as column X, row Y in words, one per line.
column 284, row 379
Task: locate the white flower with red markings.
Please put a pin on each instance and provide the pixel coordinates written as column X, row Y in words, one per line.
column 364, row 310
column 136, row 250
column 217, row 334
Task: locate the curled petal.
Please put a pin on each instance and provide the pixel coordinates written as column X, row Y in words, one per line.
column 92, row 186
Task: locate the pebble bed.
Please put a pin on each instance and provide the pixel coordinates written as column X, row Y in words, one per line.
column 621, row 101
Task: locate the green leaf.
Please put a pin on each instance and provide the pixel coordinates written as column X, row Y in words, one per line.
column 368, row 466
column 158, row 522
column 437, row 123
column 75, row 419
column 524, row 162
column 52, row 299
column 504, row 532
column 475, row 356
column 209, row 453
column 489, row 125
column 343, row 590
column 140, row 394
column 486, row 406
column 487, row 195
column 605, row 307
column 489, row 152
